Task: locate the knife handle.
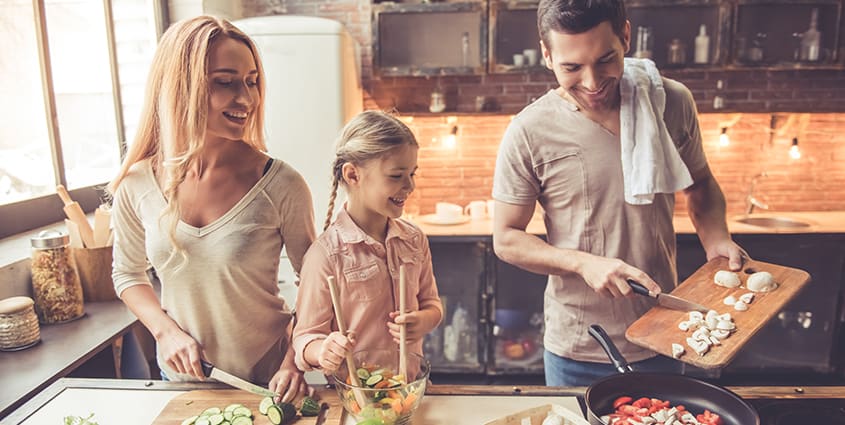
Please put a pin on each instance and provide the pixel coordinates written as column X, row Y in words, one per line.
column 639, row 288
column 206, row 368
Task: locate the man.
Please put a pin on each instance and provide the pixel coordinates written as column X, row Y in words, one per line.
column 564, row 151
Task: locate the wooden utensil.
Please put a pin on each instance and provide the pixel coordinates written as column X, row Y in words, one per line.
column 403, row 344
column 341, row 326
column 194, row 402
column 102, row 220
column 73, row 233
column 658, row 328
column 74, row 212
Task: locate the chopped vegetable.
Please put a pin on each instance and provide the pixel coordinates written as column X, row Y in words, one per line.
column 79, row 420
column 309, row 407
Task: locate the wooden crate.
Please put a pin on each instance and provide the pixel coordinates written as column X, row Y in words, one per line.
column 536, row 415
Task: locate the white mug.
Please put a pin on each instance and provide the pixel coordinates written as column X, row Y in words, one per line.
column 448, row 211
column 530, row 56
column 518, row 60
column 477, row 210
column 491, row 206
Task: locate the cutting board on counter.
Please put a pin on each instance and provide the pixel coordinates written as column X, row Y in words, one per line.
column 658, row 328
column 194, row 402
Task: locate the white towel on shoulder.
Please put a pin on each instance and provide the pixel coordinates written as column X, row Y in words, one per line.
column 650, row 161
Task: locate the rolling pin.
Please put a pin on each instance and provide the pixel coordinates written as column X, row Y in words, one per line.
column 74, row 212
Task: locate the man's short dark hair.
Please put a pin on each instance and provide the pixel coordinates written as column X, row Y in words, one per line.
column 578, row 16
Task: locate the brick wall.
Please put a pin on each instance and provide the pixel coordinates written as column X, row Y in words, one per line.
column 815, row 182
column 812, row 101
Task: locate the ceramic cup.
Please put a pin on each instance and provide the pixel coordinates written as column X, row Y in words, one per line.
column 447, row 211
column 530, row 56
column 476, row 210
column 518, row 59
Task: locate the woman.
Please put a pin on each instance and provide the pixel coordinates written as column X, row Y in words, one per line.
column 200, row 199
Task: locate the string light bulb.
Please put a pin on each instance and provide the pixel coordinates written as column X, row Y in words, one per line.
column 451, row 140
column 724, row 139
column 794, row 150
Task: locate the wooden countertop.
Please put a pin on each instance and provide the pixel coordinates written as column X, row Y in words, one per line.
column 139, row 401
column 820, row 222
column 63, row 348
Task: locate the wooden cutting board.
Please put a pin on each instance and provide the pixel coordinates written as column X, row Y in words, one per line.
column 658, row 328
column 193, row 403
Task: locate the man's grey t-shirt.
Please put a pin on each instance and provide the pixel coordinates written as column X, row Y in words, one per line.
column 554, row 154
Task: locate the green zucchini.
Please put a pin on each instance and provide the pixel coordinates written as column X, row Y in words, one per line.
column 309, row 407
column 265, row 403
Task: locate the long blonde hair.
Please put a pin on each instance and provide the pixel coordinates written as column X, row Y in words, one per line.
column 174, row 117
column 367, row 136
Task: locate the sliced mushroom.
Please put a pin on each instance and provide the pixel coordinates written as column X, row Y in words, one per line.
column 761, row 282
column 726, row 325
column 720, row 334
column 727, row 279
column 740, row 306
column 747, row 298
column 677, row 350
column 729, row 300
column 684, row 326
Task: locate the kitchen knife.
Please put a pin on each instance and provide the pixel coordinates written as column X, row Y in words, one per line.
column 227, row 378
column 666, row 300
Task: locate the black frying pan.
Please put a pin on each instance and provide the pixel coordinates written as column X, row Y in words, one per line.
column 695, row 395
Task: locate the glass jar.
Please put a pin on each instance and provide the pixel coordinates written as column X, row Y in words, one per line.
column 55, row 281
column 677, row 53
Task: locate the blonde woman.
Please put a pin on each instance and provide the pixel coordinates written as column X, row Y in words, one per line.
column 200, row 199
column 375, row 161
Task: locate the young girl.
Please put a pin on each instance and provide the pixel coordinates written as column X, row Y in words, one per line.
column 375, row 161
column 199, row 199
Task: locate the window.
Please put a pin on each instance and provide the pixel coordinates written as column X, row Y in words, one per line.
column 72, row 89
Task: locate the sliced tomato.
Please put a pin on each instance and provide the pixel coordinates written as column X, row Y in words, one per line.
column 642, row 402
column 621, row 400
column 709, row 418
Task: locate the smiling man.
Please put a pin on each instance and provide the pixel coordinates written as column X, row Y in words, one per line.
column 571, row 151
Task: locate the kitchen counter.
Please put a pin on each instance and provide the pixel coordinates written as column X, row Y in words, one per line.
column 139, row 402
column 63, row 348
column 820, row 222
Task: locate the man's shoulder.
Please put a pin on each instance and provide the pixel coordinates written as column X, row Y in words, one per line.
column 676, row 92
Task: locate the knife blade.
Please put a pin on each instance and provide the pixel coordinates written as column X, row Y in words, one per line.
column 227, row 378
column 667, row 300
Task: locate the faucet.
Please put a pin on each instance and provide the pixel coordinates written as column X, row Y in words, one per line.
column 750, row 200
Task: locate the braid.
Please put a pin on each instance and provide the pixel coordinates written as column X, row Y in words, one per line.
column 335, row 181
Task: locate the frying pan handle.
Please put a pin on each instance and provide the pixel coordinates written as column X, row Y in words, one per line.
column 619, row 362
column 639, row 288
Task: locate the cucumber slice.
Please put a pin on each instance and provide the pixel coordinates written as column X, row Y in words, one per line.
column 216, row 419
column 374, row 379
column 242, row 411
column 190, row 421
column 265, row 403
column 242, row 420
column 274, row 414
column 211, row 411
column 228, row 415
column 232, row 406
column 202, row 421
column 362, row 373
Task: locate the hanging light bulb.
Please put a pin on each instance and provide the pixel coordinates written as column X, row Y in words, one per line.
column 724, row 140
column 794, row 150
column 451, row 140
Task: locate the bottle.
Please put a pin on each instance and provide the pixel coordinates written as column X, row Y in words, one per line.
column 644, row 43
column 677, row 54
column 811, row 40
column 702, row 46
column 55, row 281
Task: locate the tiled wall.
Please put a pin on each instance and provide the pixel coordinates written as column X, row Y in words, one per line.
column 815, row 182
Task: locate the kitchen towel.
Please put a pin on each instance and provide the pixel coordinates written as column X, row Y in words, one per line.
column 650, row 161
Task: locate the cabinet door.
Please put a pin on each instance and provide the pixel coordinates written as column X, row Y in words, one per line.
column 801, row 336
column 456, row 344
column 517, row 317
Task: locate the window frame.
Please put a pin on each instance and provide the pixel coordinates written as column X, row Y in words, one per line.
column 29, row 214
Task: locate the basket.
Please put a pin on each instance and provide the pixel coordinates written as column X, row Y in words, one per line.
column 536, row 416
column 18, row 324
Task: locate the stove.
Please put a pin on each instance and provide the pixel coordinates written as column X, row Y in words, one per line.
column 799, row 411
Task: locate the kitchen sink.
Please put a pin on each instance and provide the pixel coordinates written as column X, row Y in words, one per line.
column 772, row 222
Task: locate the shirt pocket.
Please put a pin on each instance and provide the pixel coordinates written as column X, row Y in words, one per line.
column 361, row 282
column 563, row 181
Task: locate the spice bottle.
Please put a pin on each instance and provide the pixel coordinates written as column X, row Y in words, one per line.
column 702, row 46
column 55, row 281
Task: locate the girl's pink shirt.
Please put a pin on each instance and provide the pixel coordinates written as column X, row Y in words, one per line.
column 367, row 277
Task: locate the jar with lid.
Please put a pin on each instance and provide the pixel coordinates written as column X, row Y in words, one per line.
column 18, row 324
column 677, row 53
column 55, row 281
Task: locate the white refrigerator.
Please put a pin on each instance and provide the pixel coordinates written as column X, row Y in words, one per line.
column 313, row 78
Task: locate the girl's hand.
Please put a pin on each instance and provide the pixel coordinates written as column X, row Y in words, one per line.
column 417, row 325
column 181, row 353
column 288, row 382
column 334, row 349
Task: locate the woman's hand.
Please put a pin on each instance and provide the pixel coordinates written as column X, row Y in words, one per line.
column 417, row 324
column 181, row 353
column 334, row 350
column 288, row 382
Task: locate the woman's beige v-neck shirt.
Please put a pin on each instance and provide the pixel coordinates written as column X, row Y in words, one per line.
column 224, row 292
